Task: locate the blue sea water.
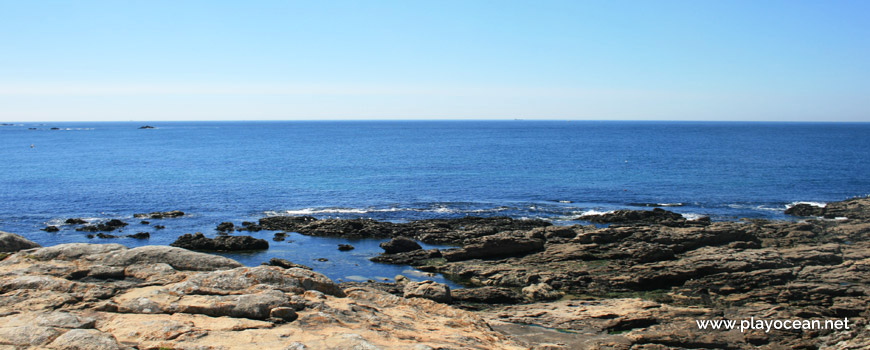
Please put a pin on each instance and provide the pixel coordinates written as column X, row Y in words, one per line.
column 406, row 170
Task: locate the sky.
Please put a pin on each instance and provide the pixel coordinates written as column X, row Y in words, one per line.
column 150, row 60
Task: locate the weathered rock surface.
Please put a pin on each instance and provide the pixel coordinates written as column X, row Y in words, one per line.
column 198, row 241
column 495, row 246
column 433, row 231
column 438, row 292
column 285, row 264
column 682, row 271
column 10, row 242
column 84, row 296
column 857, row 208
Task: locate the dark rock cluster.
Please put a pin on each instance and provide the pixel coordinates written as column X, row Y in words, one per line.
column 199, row 241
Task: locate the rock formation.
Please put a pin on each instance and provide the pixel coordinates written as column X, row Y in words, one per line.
column 88, row 296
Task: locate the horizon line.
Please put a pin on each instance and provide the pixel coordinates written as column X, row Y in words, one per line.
column 436, row 120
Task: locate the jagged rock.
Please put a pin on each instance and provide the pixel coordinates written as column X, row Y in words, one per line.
column 415, row 257
column 804, row 209
column 285, row 223
column 250, row 226
column 199, row 241
column 400, row 245
column 160, row 214
column 487, row 295
column 103, row 235
column 225, row 227
column 345, row 247
column 541, row 292
column 88, row 228
column 438, row 292
column 10, row 242
column 655, row 216
column 435, row 231
column 75, row 221
column 51, row 229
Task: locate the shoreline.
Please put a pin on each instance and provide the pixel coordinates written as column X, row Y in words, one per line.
column 643, row 280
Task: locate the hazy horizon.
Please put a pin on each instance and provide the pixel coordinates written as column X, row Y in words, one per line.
column 801, row 61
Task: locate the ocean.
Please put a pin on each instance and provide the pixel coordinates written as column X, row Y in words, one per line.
column 408, row 170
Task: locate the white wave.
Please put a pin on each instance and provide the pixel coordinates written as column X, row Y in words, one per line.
column 670, row 204
column 566, row 202
column 444, row 210
column 594, row 212
column 492, row 210
column 692, row 216
column 314, row 211
column 815, row 204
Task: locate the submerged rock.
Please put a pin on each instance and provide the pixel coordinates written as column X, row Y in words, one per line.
column 75, row 221
column 225, row 227
column 140, row 235
column 198, row 241
column 400, row 245
column 51, row 229
column 345, row 247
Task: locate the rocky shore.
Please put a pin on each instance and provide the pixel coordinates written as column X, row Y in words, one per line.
column 641, row 282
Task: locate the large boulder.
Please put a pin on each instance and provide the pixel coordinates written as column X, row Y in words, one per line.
column 805, row 209
column 198, row 241
column 10, row 242
column 655, row 216
column 400, row 245
column 178, row 258
column 431, row 290
column 495, row 246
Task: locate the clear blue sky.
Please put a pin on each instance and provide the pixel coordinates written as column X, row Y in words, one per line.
column 237, row 60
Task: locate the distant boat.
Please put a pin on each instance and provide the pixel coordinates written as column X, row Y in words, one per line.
column 147, row 127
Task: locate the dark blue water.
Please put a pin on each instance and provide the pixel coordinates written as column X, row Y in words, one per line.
column 556, row 170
